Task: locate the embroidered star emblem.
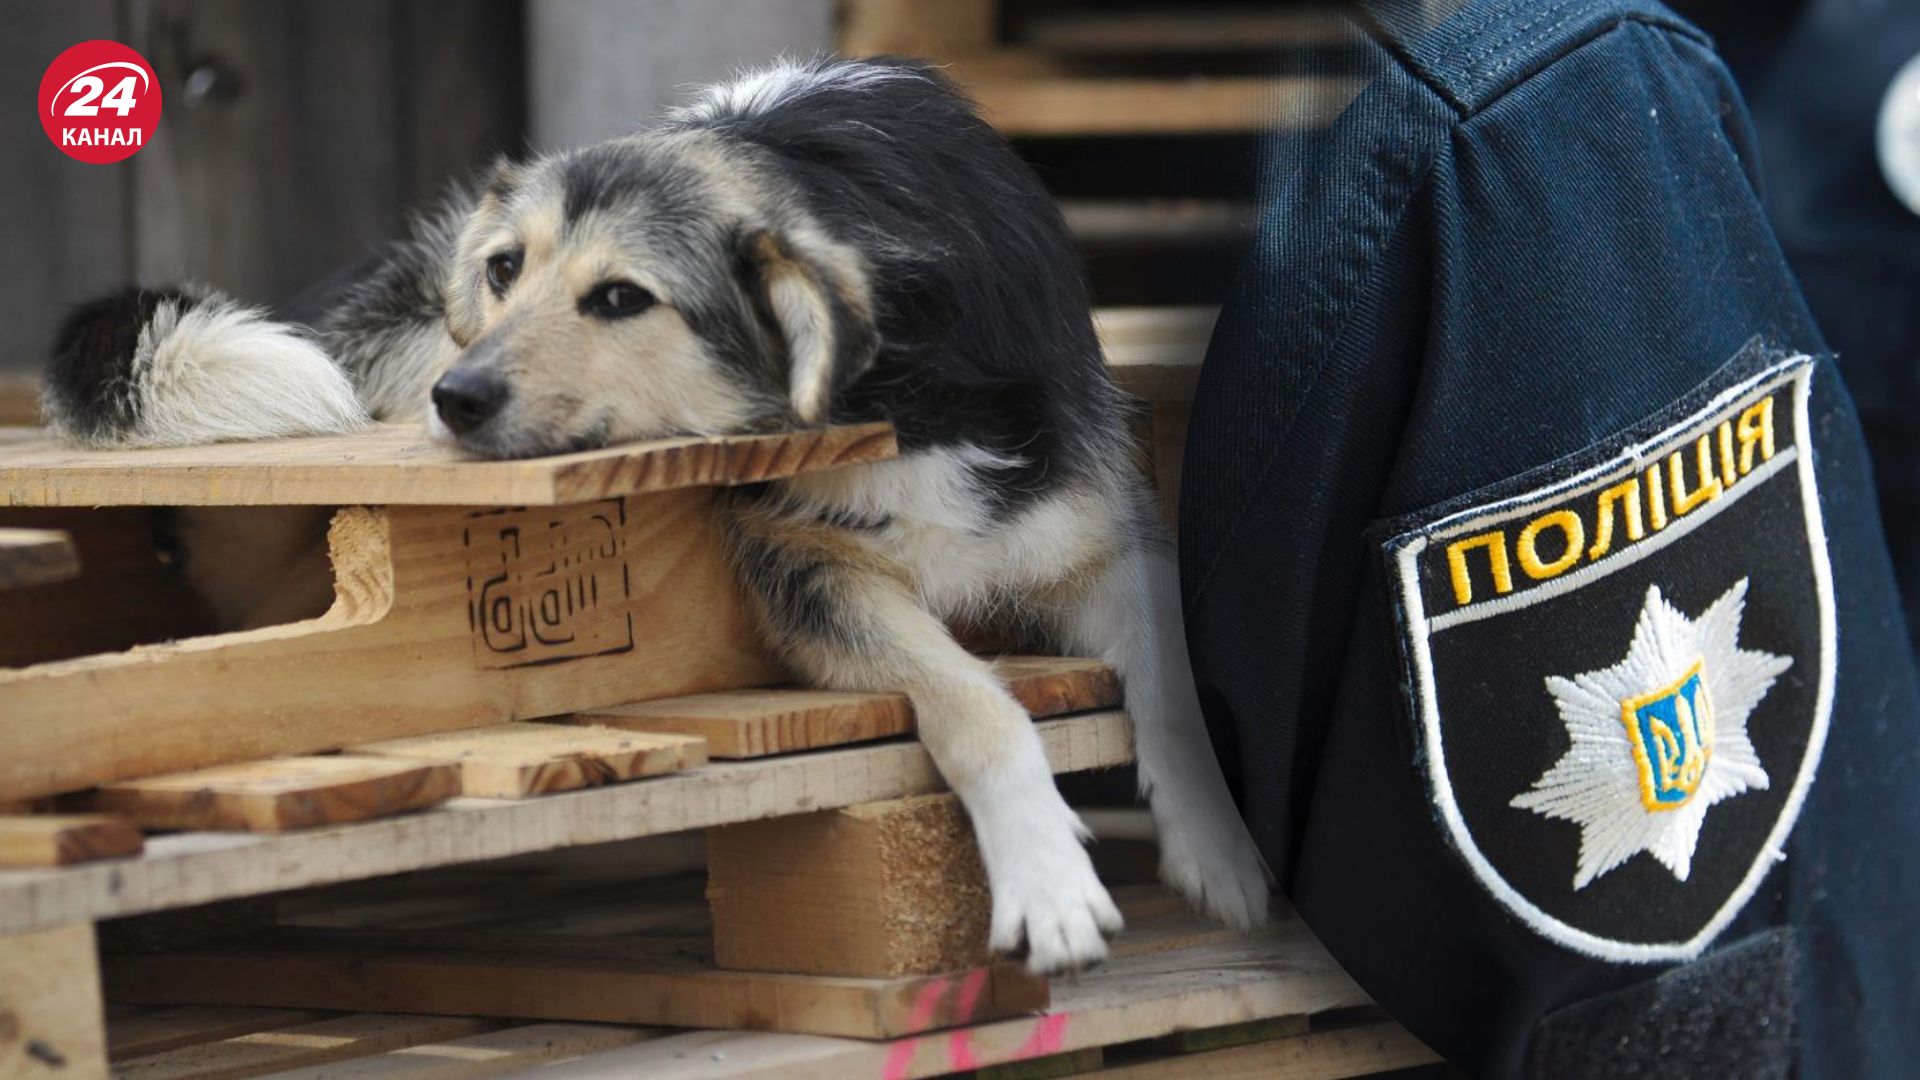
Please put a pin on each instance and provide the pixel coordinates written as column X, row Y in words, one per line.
column 1658, row 738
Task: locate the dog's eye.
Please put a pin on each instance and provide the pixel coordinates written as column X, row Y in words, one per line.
column 501, row 270
column 616, row 300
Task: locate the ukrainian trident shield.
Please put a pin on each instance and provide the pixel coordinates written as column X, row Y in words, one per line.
column 1621, row 670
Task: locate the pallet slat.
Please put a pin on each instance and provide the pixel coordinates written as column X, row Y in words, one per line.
column 1054, row 105
column 142, row 1031
column 491, row 1053
column 64, row 839
column 757, row 723
column 197, row 868
column 538, row 977
column 514, row 761
column 1361, row 1050
column 401, row 465
column 35, row 557
column 280, row 795
column 1221, row 980
column 259, row 1053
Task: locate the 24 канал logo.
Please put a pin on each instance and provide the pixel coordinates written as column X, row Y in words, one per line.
column 99, row 102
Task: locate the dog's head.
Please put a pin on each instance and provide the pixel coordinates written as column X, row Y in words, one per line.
column 666, row 284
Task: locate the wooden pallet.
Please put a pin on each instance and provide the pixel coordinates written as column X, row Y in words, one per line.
column 1179, row 995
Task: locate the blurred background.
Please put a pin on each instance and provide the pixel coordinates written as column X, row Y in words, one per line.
column 297, row 134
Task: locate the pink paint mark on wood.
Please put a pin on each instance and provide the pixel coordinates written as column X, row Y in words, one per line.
column 899, row 1064
column 1049, row 1035
column 960, row 1050
column 969, row 996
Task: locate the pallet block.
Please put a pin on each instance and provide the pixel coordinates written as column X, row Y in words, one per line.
column 880, row 890
column 64, row 839
column 514, row 761
column 548, row 977
column 756, row 723
column 51, row 1021
column 279, row 795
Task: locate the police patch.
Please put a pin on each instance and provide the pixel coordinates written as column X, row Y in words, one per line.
column 1622, row 668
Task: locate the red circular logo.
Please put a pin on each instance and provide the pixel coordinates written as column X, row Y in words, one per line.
column 99, row 102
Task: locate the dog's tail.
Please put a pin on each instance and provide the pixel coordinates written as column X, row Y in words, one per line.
column 185, row 366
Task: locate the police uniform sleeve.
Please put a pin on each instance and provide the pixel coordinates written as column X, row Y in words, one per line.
column 1534, row 584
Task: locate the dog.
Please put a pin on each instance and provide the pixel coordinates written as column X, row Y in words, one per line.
column 820, row 241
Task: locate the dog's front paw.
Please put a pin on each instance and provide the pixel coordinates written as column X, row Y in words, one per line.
column 1046, row 894
column 1218, row 870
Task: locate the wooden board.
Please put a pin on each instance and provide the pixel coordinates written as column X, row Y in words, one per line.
column 756, row 723
column 543, row 977
column 400, row 465
column 196, row 868
column 513, row 761
column 137, row 1031
column 300, row 1045
column 1053, row 105
column 35, row 557
column 51, row 1022
column 492, row 1053
column 64, row 839
column 880, row 890
column 1215, row 980
column 443, row 619
column 1189, row 31
column 1155, row 353
column 1361, row 1050
column 279, row 795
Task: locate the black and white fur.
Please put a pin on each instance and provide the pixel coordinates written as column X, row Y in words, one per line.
column 820, row 241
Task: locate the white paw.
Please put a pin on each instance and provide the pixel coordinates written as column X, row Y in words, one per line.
column 1216, row 866
column 1045, row 893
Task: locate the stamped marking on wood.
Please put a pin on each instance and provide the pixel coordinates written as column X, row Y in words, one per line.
column 548, row 584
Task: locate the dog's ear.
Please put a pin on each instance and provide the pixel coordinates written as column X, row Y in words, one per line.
column 457, row 231
column 815, row 298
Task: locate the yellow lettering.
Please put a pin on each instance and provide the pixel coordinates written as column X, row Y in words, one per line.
column 1684, row 501
column 1756, row 429
column 1725, row 431
column 1496, row 544
column 1567, row 522
column 1656, row 499
column 1627, row 494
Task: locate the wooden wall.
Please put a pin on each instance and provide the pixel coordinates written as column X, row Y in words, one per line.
column 321, row 121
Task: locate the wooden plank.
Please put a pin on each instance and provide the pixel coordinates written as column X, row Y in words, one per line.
column 135, row 1031
column 20, row 398
column 473, row 1056
column 756, row 723
column 514, row 761
column 1068, row 105
column 64, row 839
column 279, row 795
column 1071, row 1063
column 443, row 619
column 1228, row 980
column 400, row 465
column 880, row 890
column 1187, row 30
column 51, row 1021
column 1155, row 353
column 336, row 1039
column 916, row 28
column 197, row 868
column 541, row 977
column 36, row 557
column 1157, row 222
column 1322, row 1055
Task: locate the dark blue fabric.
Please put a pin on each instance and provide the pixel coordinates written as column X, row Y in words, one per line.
column 1815, row 73
column 1538, row 225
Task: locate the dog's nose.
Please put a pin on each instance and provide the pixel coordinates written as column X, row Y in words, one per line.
column 467, row 399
